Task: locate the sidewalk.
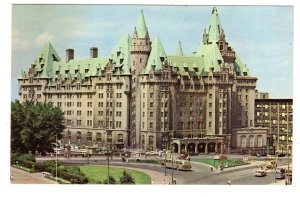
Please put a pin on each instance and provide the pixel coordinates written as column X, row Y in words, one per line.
column 22, row 177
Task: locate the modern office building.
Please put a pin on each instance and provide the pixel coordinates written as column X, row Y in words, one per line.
column 277, row 116
column 141, row 97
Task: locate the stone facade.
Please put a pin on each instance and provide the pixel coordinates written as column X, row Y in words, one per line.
column 250, row 140
column 140, row 97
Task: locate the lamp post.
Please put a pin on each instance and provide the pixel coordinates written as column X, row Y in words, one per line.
column 172, row 162
column 56, row 157
column 107, row 165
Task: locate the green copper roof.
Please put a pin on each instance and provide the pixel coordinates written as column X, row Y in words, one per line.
column 86, row 67
column 141, row 25
column 42, row 65
column 211, row 55
column 121, row 55
column 240, row 67
column 157, row 51
column 179, row 50
column 186, row 64
column 214, row 28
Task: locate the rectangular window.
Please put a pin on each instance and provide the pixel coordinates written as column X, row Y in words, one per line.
column 151, row 104
column 151, row 125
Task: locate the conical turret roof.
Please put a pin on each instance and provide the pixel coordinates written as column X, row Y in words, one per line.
column 215, row 27
column 140, row 27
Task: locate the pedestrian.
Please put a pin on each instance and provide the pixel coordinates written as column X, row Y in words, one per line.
column 211, row 169
column 174, row 181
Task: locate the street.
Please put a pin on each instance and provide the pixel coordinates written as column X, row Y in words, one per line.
column 200, row 175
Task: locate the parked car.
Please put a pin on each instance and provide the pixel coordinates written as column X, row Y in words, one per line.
column 280, row 174
column 260, row 173
column 281, row 155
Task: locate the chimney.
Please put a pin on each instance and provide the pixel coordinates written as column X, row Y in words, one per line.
column 94, row 52
column 69, row 54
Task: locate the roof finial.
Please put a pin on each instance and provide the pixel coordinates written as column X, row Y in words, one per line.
column 214, row 10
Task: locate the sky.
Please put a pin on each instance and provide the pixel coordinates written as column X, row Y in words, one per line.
column 262, row 36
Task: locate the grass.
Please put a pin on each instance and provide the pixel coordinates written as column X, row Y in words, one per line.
column 99, row 173
column 216, row 163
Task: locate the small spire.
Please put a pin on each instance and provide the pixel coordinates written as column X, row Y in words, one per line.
column 215, row 27
column 179, row 50
column 141, row 25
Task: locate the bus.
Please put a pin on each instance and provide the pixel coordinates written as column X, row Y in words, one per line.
column 178, row 164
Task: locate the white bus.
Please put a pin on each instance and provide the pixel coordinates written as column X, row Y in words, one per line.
column 178, row 164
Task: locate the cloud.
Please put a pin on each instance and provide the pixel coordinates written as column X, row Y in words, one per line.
column 19, row 43
column 43, row 38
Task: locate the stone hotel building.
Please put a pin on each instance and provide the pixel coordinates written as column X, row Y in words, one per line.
column 141, row 97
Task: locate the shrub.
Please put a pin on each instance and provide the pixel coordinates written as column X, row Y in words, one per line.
column 126, row 178
column 112, row 180
column 72, row 170
column 50, row 165
column 39, row 167
column 27, row 157
column 14, row 157
column 73, row 178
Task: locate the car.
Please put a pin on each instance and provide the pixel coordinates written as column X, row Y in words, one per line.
column 281, row 155
column 260, row 173
column 279, row 174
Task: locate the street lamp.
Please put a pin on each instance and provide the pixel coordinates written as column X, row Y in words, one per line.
column 56, row 157
column 107, row 165
column 172, row 161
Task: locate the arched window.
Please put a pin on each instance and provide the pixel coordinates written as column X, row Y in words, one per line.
column 98, row 137
column 89, row 136
column 251, row 140
column 243, row 141
column 78, row 136
column 259, row 141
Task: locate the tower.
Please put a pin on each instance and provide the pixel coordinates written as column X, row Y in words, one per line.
column 140, row 49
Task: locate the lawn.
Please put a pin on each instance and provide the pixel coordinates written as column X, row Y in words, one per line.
column 100, row 173
column 216, row 163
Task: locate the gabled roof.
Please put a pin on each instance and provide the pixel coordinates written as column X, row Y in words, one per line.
column 211, row 56
column 157, row 51
column 141, row 25
column 43, row 63
column 214, row 28
column 121, row 55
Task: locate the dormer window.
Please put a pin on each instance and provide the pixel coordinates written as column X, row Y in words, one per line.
column 221, row 46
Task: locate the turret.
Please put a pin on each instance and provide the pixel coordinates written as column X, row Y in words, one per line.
column 140, row 46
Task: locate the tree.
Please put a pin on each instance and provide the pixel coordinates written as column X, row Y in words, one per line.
column 126, row 178
column 35, row 127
